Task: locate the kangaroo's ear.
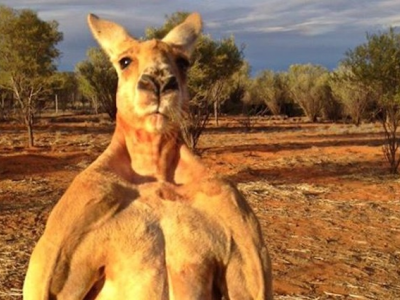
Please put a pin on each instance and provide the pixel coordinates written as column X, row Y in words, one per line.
column 185, row 35
column 109, row 35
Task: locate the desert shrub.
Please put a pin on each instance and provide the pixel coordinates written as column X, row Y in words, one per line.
column 375, row 64
column 271, row 89
column 354, row 95
column 308, row 86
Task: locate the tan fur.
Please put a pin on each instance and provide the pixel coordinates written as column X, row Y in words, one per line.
column 147, row 220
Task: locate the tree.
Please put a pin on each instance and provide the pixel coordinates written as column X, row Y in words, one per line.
column 309, row 88
column 270, row 88
column 213, row 64
column 5, row 97
column 332, row 108
column 376, row 64
column 98, row 81
column 27, row 54
column 65, row 88
column 354, row 95
column 238, row 90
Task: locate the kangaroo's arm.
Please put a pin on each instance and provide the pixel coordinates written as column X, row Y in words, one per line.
column 250, row 264
column 38, row 276
column 248, row 272
column 83, row 209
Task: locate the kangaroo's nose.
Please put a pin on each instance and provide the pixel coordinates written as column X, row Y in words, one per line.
column 170, row 85
column 149, row 83
column 158, row 86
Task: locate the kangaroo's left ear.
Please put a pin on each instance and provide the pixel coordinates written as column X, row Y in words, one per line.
column 109, row 35
column 185, row 34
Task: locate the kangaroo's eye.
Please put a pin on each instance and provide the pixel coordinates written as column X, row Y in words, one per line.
column 125, row 62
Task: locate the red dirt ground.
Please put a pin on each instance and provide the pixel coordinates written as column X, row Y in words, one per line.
column 329, row 210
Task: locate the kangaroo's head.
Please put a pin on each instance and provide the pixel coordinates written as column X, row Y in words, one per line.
column 151, row 74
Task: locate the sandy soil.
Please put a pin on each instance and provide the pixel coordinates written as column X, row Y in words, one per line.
column 329, row 210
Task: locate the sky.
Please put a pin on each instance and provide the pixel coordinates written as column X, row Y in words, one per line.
column 276, row 33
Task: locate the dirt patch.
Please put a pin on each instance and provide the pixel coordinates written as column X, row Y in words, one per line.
column 329, row 211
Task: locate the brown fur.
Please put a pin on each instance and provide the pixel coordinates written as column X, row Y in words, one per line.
column 147, row 220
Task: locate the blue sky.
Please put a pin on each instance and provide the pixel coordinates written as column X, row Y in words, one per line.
column 276, row 33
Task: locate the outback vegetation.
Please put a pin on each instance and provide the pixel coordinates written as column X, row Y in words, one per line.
column 306, row 144
column 27, row 48
column 363, row 88
column 97, row 81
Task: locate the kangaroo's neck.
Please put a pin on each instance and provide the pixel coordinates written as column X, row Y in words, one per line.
column 150, row 156
column 139, row 156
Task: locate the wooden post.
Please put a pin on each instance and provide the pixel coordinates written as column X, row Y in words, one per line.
column 56, row 104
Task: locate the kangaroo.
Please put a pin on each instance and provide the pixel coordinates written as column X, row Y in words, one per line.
column 147, row 220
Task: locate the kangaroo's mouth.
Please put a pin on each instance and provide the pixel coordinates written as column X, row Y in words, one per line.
column 156, row 121
column 158, row 114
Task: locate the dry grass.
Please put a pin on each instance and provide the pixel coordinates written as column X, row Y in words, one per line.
column 345, row 248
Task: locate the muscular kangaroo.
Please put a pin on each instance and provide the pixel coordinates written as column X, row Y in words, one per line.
column 147, row 220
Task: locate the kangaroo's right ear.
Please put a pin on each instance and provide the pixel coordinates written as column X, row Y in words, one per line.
column 109, row 35
column 185, row 35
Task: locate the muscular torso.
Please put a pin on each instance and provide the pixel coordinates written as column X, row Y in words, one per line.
column 111, row 238
column 170, row 249
column 147, row 241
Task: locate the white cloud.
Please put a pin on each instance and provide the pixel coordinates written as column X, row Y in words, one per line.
column 311, row 17
column 281, row 29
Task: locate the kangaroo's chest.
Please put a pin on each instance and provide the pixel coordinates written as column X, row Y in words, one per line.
column 190, row 233
column 165, row 245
